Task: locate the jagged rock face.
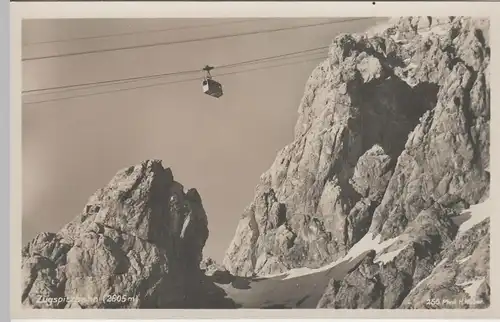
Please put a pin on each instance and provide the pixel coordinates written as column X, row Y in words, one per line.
column 210, row 267
column 447, row 154
column 414, row 253
column 462, row 277
column 361, row 288
column 140, row 237
column 392, row 137
column 420, row 278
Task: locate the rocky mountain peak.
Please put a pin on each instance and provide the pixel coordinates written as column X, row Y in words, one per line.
column 392, row 135
column 140, row 237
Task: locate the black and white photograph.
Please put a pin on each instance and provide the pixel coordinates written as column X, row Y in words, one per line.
column 256, row 163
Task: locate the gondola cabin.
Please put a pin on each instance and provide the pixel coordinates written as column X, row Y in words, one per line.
column 212, row 87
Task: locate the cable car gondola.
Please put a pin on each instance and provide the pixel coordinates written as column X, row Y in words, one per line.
column 209, row 85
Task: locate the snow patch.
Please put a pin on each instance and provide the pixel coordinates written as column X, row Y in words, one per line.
column 296, row 272
column 471, row 287
column 441, row 263
column 387, row 257
column 478, row 213
column 368, row 242
column 412, row 65
column 463, row 260
column 185, row 225
column 272, row 275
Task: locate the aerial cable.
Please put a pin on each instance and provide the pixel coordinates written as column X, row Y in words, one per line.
column 142, row 32
column 170, row 82
column 133, row 79
column 129, row 79
column 193, row 40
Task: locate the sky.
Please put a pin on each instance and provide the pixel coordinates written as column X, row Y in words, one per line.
column 72, row 147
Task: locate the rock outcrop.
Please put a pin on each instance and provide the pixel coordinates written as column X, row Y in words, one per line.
column 392, row 140
column 218, row 273
column 462, row 277
column 137, row 244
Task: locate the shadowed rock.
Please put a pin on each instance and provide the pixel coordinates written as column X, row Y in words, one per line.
column 140, row 238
